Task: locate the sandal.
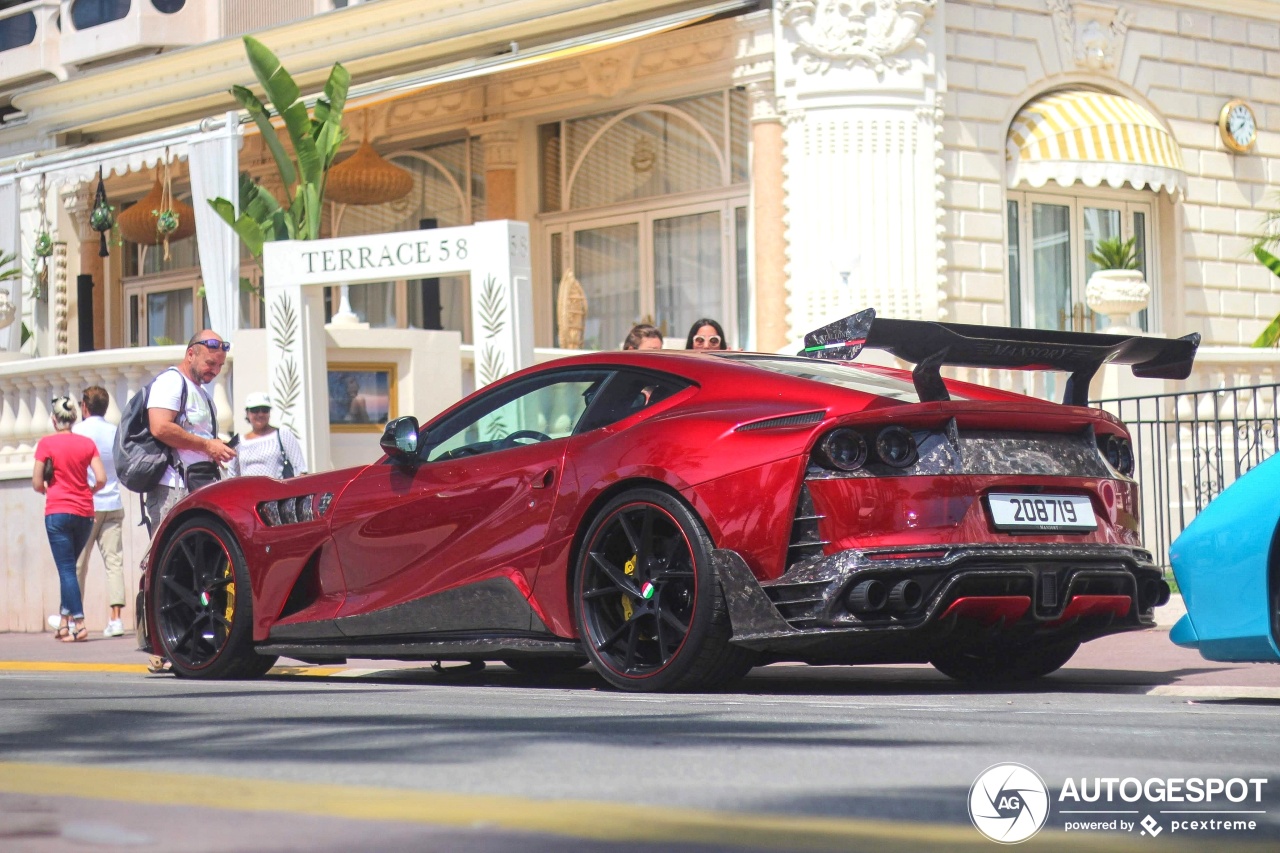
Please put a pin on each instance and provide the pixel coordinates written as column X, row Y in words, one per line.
column 80, row 635
column 62, row 633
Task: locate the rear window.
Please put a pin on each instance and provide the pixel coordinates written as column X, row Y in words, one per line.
column 836, row 373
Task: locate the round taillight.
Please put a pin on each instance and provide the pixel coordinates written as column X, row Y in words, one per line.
column 843, row 449
column 1126, row 457
column 896, row 447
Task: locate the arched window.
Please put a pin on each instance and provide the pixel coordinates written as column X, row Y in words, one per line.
column 447, row 189
column 648, row 206
column 1083, row 166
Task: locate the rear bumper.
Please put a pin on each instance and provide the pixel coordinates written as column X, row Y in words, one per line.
column 961, row 594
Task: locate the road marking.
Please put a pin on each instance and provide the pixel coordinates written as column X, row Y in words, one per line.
column 60, row 666
column 66, row 666
column 594, row 820
column 1203, row 691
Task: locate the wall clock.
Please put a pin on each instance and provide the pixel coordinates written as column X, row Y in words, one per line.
column 1238, row 126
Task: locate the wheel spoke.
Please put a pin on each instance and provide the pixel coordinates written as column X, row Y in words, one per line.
column 188, row 552
column 666, row 616
column 619, row 578
column 187, row 596
column 632, row 637
column 616, row 635
column 646, row 536
column 632, row 539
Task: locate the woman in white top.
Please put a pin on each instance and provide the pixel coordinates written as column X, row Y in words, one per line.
column 263, row 450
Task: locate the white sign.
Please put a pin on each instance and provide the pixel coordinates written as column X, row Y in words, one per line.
column 495, row 254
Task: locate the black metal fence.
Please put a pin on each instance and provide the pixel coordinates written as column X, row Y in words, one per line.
column 1192, row 445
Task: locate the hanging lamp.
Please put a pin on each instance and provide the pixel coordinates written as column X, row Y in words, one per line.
column 366, row 177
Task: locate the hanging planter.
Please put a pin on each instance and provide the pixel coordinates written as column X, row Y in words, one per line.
column 101, row 218
column 43, row 247
column 153, row 220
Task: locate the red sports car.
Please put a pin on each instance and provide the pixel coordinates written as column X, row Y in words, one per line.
column 678, row 518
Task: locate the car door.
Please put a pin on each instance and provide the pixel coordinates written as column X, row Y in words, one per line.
column 473, row 510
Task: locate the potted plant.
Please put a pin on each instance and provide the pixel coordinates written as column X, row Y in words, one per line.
column 1117, row 288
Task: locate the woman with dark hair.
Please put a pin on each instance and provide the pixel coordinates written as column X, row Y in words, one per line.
column 706, row 334
column 61, row 474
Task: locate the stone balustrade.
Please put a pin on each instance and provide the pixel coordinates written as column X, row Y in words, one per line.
column 28, row 386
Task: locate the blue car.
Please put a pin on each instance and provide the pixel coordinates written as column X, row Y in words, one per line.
column 1227, row 563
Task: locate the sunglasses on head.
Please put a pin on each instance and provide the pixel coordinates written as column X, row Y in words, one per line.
column 213, row 343
column 714, row 340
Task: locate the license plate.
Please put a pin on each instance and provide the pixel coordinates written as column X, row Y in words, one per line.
column 1042, row 513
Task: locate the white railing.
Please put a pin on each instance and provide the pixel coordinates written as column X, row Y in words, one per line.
column 27, row 388
column 23, row 59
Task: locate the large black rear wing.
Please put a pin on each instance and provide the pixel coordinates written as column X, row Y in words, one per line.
column 931, row 345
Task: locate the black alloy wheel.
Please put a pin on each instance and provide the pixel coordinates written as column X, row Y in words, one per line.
column 649, row 610
column 203, row 604
column 1004, row 664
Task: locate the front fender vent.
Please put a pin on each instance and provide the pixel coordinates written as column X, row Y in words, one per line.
column 803, row 419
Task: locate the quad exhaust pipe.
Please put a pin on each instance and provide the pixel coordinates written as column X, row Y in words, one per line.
column 873, row 596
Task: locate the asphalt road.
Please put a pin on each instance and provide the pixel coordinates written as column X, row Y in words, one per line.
column 97, row 754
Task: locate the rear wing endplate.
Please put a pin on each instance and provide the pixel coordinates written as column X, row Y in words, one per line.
column 930, row 345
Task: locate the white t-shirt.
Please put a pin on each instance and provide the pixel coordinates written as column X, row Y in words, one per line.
column 261, row 456
column 166, row 393
column 104, row 435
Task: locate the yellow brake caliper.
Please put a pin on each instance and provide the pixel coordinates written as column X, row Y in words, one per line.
column 630, row 569
column 228, row 572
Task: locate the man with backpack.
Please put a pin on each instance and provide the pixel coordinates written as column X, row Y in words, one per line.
column 177, row 449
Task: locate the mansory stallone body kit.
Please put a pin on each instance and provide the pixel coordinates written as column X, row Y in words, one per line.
column 677, row 518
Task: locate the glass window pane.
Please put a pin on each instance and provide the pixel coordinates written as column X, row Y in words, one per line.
column 1015, row 266
column 1051, row 264
column 170, row 317
column 746, row 338
column 1100, row 224
column 650, row 153
column 552, row 410
column 687, row 271
column 1140, row 246
column 607, row 263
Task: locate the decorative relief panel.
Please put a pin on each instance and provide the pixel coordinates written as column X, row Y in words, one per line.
column 610, row 72
column 844, row 33
column 1093, row 33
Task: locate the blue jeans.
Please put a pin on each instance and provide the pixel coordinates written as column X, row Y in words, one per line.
column 68, row 534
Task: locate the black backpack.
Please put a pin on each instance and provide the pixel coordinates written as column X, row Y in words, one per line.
column 141, row 458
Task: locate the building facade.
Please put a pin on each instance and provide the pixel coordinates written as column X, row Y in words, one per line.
column 771, row 165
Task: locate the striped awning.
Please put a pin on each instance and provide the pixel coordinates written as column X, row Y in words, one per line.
column 1090, row 137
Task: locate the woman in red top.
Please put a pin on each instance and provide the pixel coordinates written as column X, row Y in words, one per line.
column 68, row 507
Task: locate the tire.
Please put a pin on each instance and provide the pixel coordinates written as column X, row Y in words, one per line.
column 203, row 605
column 544, row 667
column 1004, row 664
column 647, row 604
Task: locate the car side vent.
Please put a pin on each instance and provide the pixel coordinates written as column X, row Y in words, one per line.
column 784, row 421
column 805, row 542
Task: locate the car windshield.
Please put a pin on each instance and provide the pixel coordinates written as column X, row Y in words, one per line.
column 835, row 373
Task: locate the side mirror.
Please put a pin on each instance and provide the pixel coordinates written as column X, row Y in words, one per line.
column 400, row 438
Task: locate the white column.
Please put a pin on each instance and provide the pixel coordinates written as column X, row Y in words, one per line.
column 501, row 299
column 861, row 94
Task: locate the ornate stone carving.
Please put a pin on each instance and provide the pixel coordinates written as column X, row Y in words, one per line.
column 1093, row 33
column 855, row 32
column 611, row 72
